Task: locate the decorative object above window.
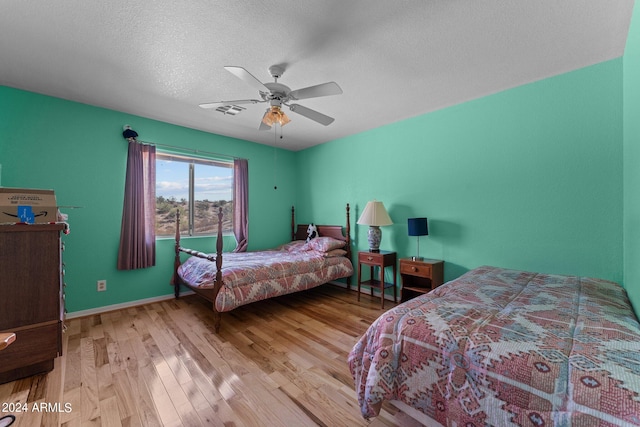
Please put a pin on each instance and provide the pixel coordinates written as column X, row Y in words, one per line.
column 129, row 134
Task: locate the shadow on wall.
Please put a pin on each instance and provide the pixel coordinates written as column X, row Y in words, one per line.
column 448, row 234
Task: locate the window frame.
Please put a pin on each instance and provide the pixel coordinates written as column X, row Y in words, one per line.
column 191, row 160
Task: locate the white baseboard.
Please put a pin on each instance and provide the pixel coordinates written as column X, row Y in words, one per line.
column 129, row 304
column 365, row 291
column 113, row 307
column 340, row 284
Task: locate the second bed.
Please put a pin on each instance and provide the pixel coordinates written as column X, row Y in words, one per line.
column 246, row 277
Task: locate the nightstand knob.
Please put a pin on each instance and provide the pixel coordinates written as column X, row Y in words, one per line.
column 413, row 268
column 369, row 258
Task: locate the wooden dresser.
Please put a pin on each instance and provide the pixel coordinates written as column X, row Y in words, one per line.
column 31, row 298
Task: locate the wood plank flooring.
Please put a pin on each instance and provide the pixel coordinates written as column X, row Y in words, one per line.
column 280, row 362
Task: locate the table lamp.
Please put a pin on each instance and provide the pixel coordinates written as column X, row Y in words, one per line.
column 418, row 227
column 374, row 215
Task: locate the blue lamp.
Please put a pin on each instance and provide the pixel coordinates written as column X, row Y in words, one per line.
column 418, row 227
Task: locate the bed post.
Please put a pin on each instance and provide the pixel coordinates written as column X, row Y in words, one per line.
column 348, row 231
column 218, row 283
column 293, row 223
column 175, row 280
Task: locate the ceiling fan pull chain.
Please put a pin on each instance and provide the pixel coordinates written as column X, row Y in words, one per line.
column 275, row 156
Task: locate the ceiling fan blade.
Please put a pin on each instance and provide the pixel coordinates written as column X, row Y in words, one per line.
column 235, row 102
column 311, row 114
column 247, row 77
column 324, row 89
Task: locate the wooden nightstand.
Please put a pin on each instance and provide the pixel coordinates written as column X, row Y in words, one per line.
column 419, row 277
column 381, row 260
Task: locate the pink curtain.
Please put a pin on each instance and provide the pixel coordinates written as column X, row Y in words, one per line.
column 138, row 232
column 241, row 203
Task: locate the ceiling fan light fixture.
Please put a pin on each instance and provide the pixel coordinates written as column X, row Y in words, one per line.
column 275, row 115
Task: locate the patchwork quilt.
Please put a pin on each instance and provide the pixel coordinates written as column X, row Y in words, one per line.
column 255, row 276
column 506, row 348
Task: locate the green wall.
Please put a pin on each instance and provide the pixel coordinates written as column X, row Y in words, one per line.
column 631, row 162
column 79, row 151
column 529, row 178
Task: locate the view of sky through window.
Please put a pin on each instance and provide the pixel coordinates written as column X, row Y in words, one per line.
column 210, row 183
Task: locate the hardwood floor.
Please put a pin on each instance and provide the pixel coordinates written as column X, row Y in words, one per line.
column 280, row 362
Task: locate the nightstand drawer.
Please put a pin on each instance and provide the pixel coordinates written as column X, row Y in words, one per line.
column 418, row 269
column 369, row 258
column 381, row 260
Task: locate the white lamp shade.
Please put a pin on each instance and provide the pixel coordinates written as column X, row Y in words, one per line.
column 375, row 214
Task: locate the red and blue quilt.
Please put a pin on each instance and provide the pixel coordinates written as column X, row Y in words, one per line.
column 254, row 276
column 503, row 347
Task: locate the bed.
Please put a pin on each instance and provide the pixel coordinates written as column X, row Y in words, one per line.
column 504, row 347
column 230, row 280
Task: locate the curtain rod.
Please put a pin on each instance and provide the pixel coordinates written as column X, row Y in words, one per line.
column 131, row 135
column 189, row 150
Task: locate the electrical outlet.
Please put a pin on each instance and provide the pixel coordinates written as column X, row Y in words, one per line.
column 102, row 285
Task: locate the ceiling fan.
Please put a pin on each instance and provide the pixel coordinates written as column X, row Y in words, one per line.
column 277, row 95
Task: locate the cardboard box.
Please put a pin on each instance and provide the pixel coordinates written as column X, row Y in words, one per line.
column 27, row 205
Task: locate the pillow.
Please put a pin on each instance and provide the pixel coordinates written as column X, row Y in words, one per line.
column 295, row 245
column 326, row 244
column 335, row 253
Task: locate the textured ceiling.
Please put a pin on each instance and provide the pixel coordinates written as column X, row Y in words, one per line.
column 393, row 60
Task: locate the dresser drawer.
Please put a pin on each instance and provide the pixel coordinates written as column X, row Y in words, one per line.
column 32, row 346
column 415, row 269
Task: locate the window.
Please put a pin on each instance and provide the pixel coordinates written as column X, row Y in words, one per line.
column 195, row 187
